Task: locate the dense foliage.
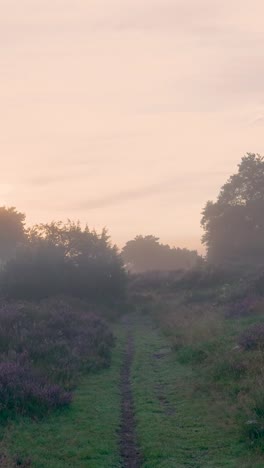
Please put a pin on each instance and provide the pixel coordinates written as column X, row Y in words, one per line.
column 234, row 224
column 148, row 254
column 59, row 258
column 12, row 232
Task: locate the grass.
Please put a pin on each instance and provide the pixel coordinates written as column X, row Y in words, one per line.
column 179, row 425
column 85, row 435
column 184, row 418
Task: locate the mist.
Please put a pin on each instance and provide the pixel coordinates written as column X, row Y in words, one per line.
column 131, row 233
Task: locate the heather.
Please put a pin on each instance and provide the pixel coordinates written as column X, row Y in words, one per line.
column 24, row 392
column 57, row 281
column 55, row 337
column 45, row 348
column 252, row 338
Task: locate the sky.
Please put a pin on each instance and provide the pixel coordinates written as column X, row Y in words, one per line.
column 128, row 114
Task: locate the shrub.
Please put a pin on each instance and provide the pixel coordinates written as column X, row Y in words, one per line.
column 150, row 281
column 65, row 259
column 43, row 350
column 229, row 366
column 23, row 392
column 254, row 429
column 55, row 338
column 37, row 271
column 207, row 276
column 192, row 355
column 254, row 426
column 243, row 307
column 253, row 337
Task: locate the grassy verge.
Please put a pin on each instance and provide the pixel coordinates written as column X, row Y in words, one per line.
column 85, row 435
column 178, row 424
column 186, row 417
column 226, row 351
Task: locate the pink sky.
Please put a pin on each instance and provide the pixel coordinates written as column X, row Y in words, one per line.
column 127, row 113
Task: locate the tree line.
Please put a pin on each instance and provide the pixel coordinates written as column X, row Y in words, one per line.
column 65, row 258
column 58, row 258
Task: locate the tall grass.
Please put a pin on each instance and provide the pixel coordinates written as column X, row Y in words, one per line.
column 226, row 345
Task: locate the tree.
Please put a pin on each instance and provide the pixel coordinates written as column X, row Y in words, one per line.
column 64, row 258
column 36, row 271
column 234, row 224
column 12, row 231
column 148, row 254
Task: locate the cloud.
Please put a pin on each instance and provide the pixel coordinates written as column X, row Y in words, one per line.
column 126, row 196
column 181, row 184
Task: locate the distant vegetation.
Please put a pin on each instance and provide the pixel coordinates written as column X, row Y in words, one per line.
column 148, row 254
column 58, row 258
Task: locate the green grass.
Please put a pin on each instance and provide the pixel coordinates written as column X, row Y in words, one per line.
column 190, row 429
column 85, row 435
column 179, row 423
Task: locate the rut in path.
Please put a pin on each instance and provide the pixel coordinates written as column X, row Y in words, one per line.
column 128, row 443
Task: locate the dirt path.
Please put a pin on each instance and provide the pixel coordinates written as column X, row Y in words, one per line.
column 128, row 443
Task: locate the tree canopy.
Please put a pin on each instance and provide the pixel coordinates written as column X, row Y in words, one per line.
column 148, row 254
column 65, row 258
column 12, row 231
column 234, row 224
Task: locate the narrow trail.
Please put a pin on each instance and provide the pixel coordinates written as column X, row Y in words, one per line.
column 128, row 444
column 167, row 420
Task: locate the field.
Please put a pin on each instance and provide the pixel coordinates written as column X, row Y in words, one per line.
column 186, row 408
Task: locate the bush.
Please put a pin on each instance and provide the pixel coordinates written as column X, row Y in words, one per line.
column 192, row 354
column 65, row 259
column 254, row 426
column 37, row 271
column 21, row 391
column 55, row 338
column 253, row 337
column 43, row 350
column 242, row 307
column 228, row 367
column 206, row 277
column 254, row 429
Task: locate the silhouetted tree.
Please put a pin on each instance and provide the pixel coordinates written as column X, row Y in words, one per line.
column 64, row 258
column 148, row 254
column 12, row 232
column 234, row 224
